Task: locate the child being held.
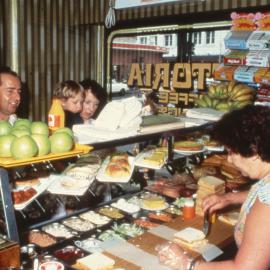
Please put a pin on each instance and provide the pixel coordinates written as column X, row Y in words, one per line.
column 70, row 93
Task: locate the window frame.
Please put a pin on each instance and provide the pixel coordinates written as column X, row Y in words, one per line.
column 185, row 52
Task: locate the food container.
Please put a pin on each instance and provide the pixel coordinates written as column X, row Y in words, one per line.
column 172, row 209
column 235, row 57
column 111, row 212
column 237, row 40
column 41, row 239
column 161, row 216
column 224, row 72
column 69, row 254
column 259, row 40
column 95, row 218
column 110, row 235
column 129, row 230
column 144, row 222
column 90, row 244
column 258, row 58
column 245, row 74
column 78, row 224
column 59, row 230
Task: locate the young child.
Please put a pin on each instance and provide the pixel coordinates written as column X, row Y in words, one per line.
column 71, row 95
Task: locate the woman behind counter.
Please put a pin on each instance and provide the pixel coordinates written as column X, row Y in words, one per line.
column 245, row 133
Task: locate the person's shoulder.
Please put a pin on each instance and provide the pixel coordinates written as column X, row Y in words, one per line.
column 264, row 190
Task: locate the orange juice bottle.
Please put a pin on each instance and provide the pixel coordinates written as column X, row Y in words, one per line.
column 189, row 209
column 56, row 116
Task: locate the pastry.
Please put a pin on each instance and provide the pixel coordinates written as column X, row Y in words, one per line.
column 188, row 146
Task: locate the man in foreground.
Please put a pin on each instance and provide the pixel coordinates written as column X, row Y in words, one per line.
column 10, row 94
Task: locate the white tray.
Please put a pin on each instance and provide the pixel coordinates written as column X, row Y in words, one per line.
column 44, row 183
column 139, row 161
column 57, row 188
column 103, row 177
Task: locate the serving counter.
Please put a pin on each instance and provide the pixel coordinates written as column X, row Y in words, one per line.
column 145, row 245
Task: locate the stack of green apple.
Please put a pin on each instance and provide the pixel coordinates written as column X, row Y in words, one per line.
column 26, row 139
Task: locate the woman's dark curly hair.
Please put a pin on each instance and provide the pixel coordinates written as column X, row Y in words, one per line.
column 245, row 131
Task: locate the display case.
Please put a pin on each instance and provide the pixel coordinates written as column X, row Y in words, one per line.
column 13, row 220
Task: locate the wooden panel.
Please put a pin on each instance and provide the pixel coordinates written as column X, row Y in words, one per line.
column 2, row 32
column 56, row 43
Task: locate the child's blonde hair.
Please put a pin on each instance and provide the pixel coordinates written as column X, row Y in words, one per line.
column 67, row 89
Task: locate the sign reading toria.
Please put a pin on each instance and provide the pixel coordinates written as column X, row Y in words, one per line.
column 176, row 82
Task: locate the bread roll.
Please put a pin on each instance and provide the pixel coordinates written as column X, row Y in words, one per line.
column 188, row 146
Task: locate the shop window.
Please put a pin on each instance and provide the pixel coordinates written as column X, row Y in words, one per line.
column 156, row 46
column 143, row 40
column 168, row 40
column 210, row 37
column 197, row 38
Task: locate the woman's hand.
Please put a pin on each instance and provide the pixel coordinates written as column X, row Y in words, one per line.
column 173, row 256
column 216, row 202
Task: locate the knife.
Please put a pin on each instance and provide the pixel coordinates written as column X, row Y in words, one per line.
column 206, row 223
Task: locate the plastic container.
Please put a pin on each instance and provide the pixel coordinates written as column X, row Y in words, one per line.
column 56, row 116
column 189, row 209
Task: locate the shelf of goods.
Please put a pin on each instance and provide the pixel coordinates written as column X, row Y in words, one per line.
column 244, row 77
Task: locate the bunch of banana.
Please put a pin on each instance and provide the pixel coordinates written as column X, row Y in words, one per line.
column 226, row 96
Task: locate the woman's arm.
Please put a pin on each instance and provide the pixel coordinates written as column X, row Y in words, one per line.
column 254, row 252
column 216, row 202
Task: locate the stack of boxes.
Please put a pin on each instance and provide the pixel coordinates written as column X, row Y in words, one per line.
column 208, row 185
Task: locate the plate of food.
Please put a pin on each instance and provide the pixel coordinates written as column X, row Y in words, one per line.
column 152, row 159
column 116, row 168
column 188, row 147
column 66, row 185
column 24, row 194
column 152, row 202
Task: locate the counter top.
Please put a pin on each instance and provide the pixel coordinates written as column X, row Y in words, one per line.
column 221, row 235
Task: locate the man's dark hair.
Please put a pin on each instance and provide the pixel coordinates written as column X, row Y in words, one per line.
column 9, row 71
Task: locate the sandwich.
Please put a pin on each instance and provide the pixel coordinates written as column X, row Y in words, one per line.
column 95, row 261
column 230, row 218
column 211, row 183
column 190, row 237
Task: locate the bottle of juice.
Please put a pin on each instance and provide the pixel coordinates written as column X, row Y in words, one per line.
column 189, row 209
column 56, row 116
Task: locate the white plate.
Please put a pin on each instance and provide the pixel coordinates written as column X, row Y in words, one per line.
column 139, row 161
column 44, row 183
column 56, row 186
column 187, row 153
column 214, row 148
column 166, row 205
column 103, row 177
